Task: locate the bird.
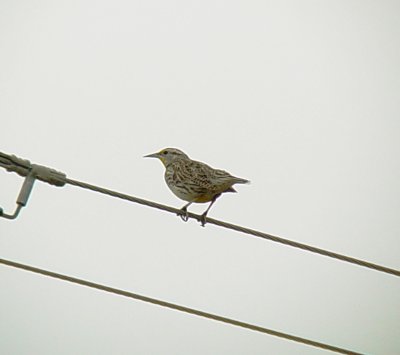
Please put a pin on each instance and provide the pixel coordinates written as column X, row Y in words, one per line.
column 194, row 181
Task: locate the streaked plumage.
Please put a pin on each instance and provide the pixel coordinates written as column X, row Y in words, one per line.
column 194, row 181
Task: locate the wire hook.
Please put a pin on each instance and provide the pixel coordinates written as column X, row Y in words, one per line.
column 23, row 196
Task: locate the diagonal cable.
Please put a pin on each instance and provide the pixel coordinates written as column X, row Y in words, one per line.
column 237, row 228
column 178, row 307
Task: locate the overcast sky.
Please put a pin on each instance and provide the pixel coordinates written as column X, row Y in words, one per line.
column 300, row 97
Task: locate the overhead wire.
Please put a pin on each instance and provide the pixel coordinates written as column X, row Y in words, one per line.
column 237, row 228
column 177, row 307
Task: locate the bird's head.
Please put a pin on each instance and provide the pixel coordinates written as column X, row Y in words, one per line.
column 168, row 155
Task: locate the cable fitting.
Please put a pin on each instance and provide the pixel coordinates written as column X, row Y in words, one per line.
column 24, row 167
column 49, row 175
column 31, row 172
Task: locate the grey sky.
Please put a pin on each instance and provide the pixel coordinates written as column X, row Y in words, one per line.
column 300, row 97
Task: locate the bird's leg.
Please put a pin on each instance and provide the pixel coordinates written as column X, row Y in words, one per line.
column 203, row 216
column 184, row 214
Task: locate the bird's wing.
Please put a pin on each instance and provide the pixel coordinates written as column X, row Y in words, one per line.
column 207, row 177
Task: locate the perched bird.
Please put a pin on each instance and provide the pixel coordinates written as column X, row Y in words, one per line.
column 194, row 181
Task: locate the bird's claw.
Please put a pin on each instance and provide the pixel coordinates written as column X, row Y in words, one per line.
column 203, row 219
column 184, row 214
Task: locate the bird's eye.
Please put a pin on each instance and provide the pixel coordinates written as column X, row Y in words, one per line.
column 165, row 152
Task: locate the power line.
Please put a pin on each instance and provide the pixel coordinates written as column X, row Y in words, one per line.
column 237, row 228
column 25, row 168
column 178, row 307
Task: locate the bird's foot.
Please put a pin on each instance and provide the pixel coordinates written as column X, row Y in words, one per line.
column 184, row 214
column 203, row 219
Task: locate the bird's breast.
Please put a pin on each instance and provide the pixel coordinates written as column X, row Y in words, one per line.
column 186, row 189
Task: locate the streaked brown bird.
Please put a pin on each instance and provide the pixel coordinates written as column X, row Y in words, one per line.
column 194, row 181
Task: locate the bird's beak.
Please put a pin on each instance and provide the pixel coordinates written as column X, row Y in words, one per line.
column 154, row 155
